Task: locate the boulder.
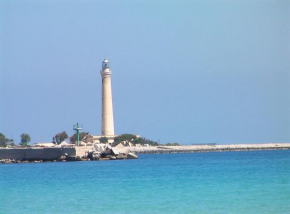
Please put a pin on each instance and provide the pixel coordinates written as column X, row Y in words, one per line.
column 121, row 156
column 108, row 150
column 101, row 159
column 131, row 155
column 62, row 157
column 95, row 155
column 7, row 161
column 103, row 155
column 111, row 157
column 70, row 159
column 115, row 151
column 100, row 147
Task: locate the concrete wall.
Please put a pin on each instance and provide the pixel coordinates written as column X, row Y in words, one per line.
column 36, row 153
column 82, row 150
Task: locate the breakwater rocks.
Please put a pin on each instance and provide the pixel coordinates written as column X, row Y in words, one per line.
column 38, row 155
column 208, row 148
column 7, row 161
column 106, row 152
column 93, row 157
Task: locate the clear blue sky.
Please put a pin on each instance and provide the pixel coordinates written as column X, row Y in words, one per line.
column 183, row 71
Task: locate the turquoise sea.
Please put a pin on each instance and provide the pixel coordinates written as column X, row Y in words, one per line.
column 227, row 182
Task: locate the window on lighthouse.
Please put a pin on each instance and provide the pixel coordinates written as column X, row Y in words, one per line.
column 106, row 65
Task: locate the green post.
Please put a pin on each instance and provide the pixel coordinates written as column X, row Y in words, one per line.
column 78, row 134
column 78, row 127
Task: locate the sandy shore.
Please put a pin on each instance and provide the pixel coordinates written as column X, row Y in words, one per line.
column 207, row 148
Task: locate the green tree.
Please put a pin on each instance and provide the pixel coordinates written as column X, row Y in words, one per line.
column 103, row 140
column 171, row 144
column 58, row 138
column 125, row 137
column 25, row 139
column 73, row 138
column 133, row 139
column 3, row 140
column 143, row 141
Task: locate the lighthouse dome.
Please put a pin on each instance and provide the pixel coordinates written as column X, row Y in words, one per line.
column 105, row 63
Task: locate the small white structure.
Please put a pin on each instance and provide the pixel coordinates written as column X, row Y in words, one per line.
column 63, row 143
column 44, row 145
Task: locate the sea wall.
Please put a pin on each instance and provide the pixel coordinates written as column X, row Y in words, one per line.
column 36, row 153
column 62, row 154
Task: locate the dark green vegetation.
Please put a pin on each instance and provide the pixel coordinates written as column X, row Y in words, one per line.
column 73, row 138
column 3, row 140
column 103, row 140
column 171, row 144
column 25, row 139
column 58, row 138
column 130, row 138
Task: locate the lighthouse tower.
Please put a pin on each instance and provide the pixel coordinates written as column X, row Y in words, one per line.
column 107, row 101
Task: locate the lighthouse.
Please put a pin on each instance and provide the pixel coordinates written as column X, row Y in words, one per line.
column 107, row 101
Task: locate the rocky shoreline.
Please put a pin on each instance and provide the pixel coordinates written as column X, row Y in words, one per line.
column 121, row 156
